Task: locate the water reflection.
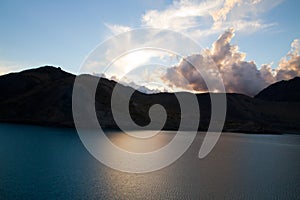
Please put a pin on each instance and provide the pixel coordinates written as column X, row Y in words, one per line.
column 140, row 145
column 45, row 163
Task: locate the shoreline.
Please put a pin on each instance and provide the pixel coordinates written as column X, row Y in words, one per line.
column 68, row 127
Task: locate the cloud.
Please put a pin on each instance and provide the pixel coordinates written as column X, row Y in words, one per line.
column 180, row 15
column 289, row 66
column 206, row 17
column 239, row 75
column 221, row 14
column 141, row 88
column 117, row 29
column 202, row 19
column 197, row 19
column 132, row 60
column 267, row 73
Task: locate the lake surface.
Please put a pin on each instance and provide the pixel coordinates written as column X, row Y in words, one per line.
column 51, row 163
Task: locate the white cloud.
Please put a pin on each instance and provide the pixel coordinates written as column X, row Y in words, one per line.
column 144, row 87
column 204, row 18
column 289, row 65
column 201, row 19
column 117, row 29
column 242, row 26
column 221, row 14
column 267, row 73
column 179, row 16
column 197, row 19
column 239, row 75
column 133, row 60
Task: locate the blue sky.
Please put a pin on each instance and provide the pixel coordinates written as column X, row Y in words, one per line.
column 58, row 32
column 62, row 33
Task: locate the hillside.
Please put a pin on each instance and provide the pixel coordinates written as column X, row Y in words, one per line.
column 285, row 91
column 43, row 96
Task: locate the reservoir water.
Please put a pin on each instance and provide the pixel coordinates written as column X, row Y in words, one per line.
column 52, row 163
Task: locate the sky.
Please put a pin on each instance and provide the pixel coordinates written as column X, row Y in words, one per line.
column 63, row 33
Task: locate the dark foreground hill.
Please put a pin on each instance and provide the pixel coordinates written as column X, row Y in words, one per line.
column 288, row 91
column 43, row 96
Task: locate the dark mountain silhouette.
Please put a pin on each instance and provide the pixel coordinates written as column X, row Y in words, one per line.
column 43, row 96
column 38, row 96
column 288, row 91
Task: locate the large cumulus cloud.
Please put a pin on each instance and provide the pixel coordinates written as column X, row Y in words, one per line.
column 239, row 75
column 289, row 66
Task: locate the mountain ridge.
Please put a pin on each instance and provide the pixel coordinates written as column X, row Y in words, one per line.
column 43, row 96
column 285, row 90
